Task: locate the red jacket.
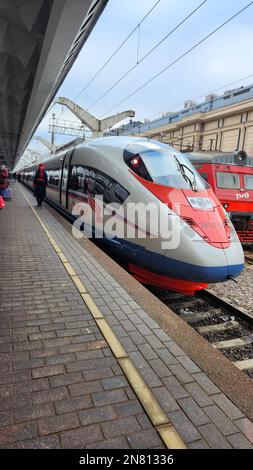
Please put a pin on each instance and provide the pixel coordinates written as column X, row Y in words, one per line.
column 4, row 179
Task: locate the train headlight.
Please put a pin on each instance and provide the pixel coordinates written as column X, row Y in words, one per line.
column 202, row 203
column 135, row 161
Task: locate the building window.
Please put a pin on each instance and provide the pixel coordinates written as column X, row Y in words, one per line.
column 244, row 117
column 245, row 90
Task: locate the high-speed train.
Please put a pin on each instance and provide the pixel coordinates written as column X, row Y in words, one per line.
column 183, row 242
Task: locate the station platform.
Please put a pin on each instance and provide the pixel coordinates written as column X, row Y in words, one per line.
column 90, row 359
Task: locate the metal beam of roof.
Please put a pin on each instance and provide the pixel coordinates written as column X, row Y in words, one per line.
column 39, row 42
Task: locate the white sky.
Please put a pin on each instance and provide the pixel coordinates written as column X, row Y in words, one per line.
column 223, row 58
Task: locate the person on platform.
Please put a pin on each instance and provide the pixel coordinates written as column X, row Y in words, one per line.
column 40, row 184
column 4, row 182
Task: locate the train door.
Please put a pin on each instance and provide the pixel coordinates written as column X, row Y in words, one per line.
column 65, row 179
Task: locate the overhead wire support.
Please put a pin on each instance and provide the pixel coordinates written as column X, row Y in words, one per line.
column 117, row 50
column 46, row 113
column 148, row 53
column 181, row 56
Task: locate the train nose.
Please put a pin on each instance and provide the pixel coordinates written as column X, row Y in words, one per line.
column 217, row 267
column 201, row 262
column 235, row 260
column 229, row 263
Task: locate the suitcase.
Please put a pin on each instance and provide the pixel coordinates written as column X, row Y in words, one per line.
column 1, row 202
column 7, row 194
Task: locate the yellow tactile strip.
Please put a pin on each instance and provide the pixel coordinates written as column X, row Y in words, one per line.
column 157, row 416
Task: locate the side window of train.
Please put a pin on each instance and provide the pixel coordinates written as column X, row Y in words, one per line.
column 102, row 183
column 108, row 188
column 120, row 193
column 228, row 180
column 73, row 182
column 248, row 181
column 91, row 181
column 84, row 180
column 79, row 179
column 49, row 177
column 115, row 193
column 53, row 176
column 204, row 175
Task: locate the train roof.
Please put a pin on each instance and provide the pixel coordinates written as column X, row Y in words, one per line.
column 225, row 158
column 116, row 141
column 124, row 143
column 129, row 144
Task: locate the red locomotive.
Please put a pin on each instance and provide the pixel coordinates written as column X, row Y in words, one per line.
column 231, row 177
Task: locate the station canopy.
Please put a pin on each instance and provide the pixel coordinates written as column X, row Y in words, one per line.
column 39, row 42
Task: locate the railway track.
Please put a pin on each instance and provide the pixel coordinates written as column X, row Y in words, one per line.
column 248, row 258
column 228, row 328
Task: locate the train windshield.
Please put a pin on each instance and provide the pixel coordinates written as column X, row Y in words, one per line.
column 248, row 181
column 228, row 180
column 168, row 168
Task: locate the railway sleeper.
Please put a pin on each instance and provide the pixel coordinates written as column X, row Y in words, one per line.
column 200, row 316
column 245, row 364
column 228, row 325
column 233, row 343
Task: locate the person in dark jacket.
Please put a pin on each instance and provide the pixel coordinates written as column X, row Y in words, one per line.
column 40, row 184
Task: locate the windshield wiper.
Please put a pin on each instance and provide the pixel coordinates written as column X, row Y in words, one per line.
column 181, row 168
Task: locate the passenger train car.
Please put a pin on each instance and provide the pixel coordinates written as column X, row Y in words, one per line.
column 231, row 177
column 129, row 170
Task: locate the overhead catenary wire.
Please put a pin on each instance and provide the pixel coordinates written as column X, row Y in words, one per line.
column 200, row 96
column 180, row 57
column 147, row 54
column 117, row 50
column 138, row 45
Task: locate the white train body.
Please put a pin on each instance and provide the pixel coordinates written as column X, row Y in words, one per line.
column 129, row 170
